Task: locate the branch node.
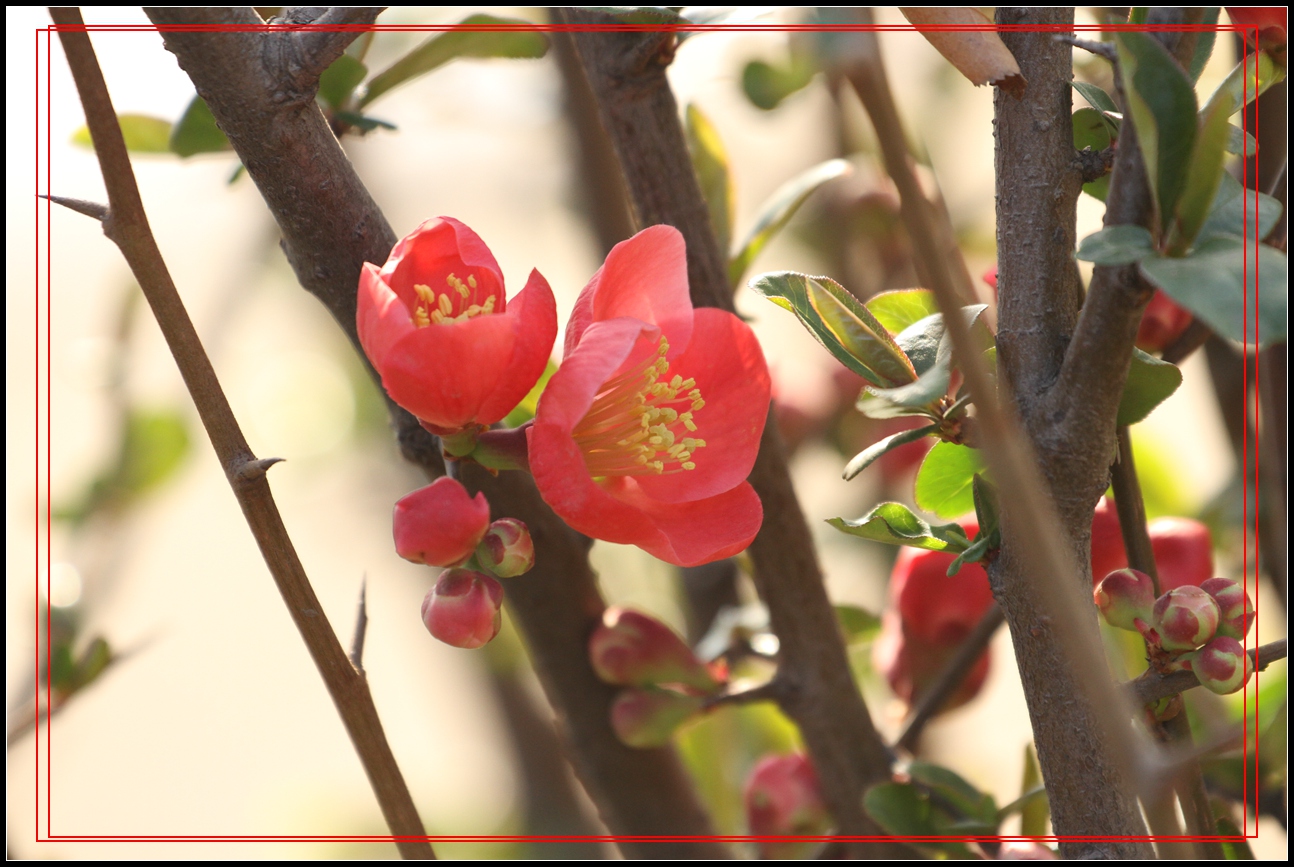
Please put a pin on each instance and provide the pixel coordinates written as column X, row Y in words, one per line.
column 255, row 468
column 81, row 206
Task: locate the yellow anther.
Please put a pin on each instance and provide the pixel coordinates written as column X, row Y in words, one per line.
column 489, row 305
column 663, row 348
column 688, row 465
column 690, row 383
column 446, row 306
column 668, row 414
column 473, row 310
column 686, row 418
column 424, row 293
column 676, row 383
column 420, row 318
column 658, row 466
column 697, row 404
column 471, row 281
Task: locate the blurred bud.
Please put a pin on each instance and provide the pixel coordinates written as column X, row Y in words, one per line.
column 1270, row 22
column 935, row 607
column 783, row 797
column 1162, row 323
column 1108, row 553
column 1124, row 597
column 1025, row 850
column 463, row 609
column 644, row 717
column 1185, row 618
column 1183, row 551
column 1221, row 665
column 911, row 665
column 506, row 549
column 440, row 524
column 1235, row 609
column 630, row 648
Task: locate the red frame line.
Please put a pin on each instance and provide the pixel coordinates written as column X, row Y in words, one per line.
column 43, row 506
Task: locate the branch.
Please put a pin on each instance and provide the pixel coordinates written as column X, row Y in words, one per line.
column 314, row 40
column 127, row 226
column 1152, row 686
column 330, row 227
column 626, row 72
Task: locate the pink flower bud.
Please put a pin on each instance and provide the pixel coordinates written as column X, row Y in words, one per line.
column 506, row 549
column 463, row 608
column 630, row 648
column 1125, row 596
column 1234, row 606
column 440, row 524
column 646, row 717
column 1222, row 665
column 1185, row 618
column 783, row 797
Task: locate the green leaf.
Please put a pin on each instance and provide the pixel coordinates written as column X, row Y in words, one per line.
column 1250, row 79
column 869, row 455
column 1162, row 101
column 1116, row 245
column 895, row 524
column 1035, row 809
column 856, row 623
column 143, row 134
column 898, row 309
column 1097, row 98
column 1228, row 217
column 1217, row 284
column 156, row 443
column 363, row 122
column 984, row 542
column 340, row 79
column 197, row 133
column 1203, row 176
column 965, row 801
column 1094, row 130
column 1150, row 382
column 1204, row 44
column 928, row 347
column 905, row 811
column 766, row 85
column 840, row 323
column 984, row 495
column 525, row 411
column 1237, row 848
column 710, row 162
column 461, row 42
column 1240, row 142
column 945, row 478
column 641, row 14
column 1137, row 14
column 777, row 211
column 920, row 342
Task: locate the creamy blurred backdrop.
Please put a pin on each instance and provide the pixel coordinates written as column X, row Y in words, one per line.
column 215, row 722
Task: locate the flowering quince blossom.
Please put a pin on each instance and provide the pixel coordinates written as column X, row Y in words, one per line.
column 437, row 326
column 441, row 524
column 646, row 433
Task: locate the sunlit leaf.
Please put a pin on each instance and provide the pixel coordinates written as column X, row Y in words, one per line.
column 895, row 524
column 197, row 132
column 1093, row 130
column 766, row 85
column 710, row 162
column 1150, row 382
column 944, row 481
column 898, row 309
column 1250, row 79
column 143, row 134
column 525, row 411
column 872, row 453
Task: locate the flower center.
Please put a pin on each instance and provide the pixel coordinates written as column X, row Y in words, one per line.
column 450, row 306
column 638, row 423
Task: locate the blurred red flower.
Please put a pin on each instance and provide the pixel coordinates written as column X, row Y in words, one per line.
column 646, row 433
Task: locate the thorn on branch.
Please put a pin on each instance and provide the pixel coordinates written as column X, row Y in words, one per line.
column 81, row 206
column 255, row 468
column 361, row 627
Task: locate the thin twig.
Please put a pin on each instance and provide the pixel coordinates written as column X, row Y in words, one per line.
column 950, row 677
column 1101, row 49
column 127, row 225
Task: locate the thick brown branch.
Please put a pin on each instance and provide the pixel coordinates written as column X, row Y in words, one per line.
column 127, row 225
column 627, row 74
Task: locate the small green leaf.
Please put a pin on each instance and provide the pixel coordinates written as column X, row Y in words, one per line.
column 710, row 162
column 363, row 122
column 340, row 80
column 840, row 323
column 777, row 211
column 1034, row 806
column 856, row 623
column 1240, row 142
column 461, row 42
column 525, row 411
column 1150, row 382
column 966, row 801
column 1261, row 74
column 945, row 479
column 869, row 455
column 1236, row 848
column 766, row 85
column 1204, row 44
column 1097, row 98
column 1116, row 245
column 1219, row 283
column 1204, row 175
column 920, row 342
column 1094, row 130
column 900, row 809
column 96, row 657
column 915, row 398
column 984, row 495
column 143, row 134
column 984, row 542
column 1162, row 100
column 197, row 133
column 898, row 309
column 895, row 524
column 1228, row 217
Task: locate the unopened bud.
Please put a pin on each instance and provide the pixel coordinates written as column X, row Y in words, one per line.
column 783, row 797
column 440, row 524
column 1222, row 665
column 645, row 717
column 1124, row 597
column 506, row 548
column 630, row 648
column 463, row 609
column 1235, row 609
column 1185, row 618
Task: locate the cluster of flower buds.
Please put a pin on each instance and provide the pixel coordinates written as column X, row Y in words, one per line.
column 664, row 682
column 783, row 797
column 1183, row 548
column 441, row 525
column 928, row 616
column 1196, row 628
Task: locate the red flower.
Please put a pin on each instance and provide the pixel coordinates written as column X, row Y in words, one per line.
column 1270, row 22
column 1162, row 323
column 646, row 433
column 783, row 798
column 440, row 525
column 436, row 324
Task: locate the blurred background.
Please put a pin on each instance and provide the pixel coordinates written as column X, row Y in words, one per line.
column 210, row 718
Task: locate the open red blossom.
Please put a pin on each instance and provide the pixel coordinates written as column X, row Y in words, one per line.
column 436, row 324
column 646, row 433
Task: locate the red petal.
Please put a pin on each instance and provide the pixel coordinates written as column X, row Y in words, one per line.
column 702, row 531
column 433, row 251
column 535, row 311
column 380, row 316
column 725, row 360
